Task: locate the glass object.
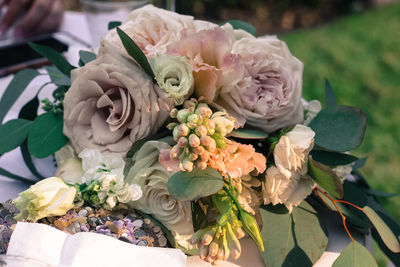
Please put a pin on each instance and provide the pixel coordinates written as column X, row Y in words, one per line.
column 100, row 12
column 19, row 261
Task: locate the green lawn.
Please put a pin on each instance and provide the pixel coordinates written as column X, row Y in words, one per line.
column 360, row 55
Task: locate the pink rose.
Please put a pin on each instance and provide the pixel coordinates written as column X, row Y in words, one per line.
column 269, row 95
column 214, row 66
column 153, row 29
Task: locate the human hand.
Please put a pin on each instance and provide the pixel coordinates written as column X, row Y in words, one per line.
column 38, row 16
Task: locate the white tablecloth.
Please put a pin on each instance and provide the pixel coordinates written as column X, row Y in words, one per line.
column 75, row 24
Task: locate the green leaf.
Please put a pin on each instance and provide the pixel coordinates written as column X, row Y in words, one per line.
column 59, row 93
column 8, row 174
column 355, row 255
column 29, row 110
column 195, row 184
column 46, row 135
column 359, row 163
column 54, row 57
column 391, row 223
column 15, row 89
column 86, row 56
column 377, row 193
column 332, row 158
column 248, row 134
column 341, row 129
column 114, row 24
column 13, row 133
column 199, row 218
column 139, row 143
column 292, row 239
column 325, row 177
column 135, row 52
column 329, row 95
column 242, row 25
column 390, row 240
column 57, row 77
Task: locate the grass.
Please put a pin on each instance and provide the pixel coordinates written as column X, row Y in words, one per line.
column 360, row 55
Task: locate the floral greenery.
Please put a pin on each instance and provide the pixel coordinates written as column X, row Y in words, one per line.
column 350, row 122
column 358, row 53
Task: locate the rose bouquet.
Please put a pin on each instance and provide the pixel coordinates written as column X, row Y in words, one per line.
column 203, row 128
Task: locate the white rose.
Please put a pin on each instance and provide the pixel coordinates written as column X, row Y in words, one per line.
column 268, row 96
column 147, row 172
column 49, row 197
column 290, row 191
column 65, row 153
column 71, row 171
column 174, row 75
column 292, row 149
column 153, row 29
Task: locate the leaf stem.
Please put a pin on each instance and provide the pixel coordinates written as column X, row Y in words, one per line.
column 334, row 202
column 16, row 177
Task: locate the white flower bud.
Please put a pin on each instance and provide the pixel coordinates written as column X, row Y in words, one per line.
column 198, row 150
column 201, row 164
column 175, row 133
column 174, row 152
column 173, row 113
column 182, row 115
column 193, row 156
column 203, row 110
column 190, row 103
column 194, row 140
column 183, row 130
column 187, row 164
column 201, row 130
column 182, row 142
column 194, row 118
column 171, row 125
column 191, row 125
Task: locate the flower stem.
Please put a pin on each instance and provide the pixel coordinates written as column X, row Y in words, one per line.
column 334, row 202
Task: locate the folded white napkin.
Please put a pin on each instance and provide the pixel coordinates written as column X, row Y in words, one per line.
column 56, row 248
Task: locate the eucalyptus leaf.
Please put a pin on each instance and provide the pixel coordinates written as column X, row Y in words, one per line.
column 242, row 25
column 13, row 133
column 15, row 89
column 292, row 239
column 329, row 95
column 248, row 134
column 359, row 163
column 339, row 129
column 195, row 184
column 54, row 57
column 391, row 223
column 355, row 255
column 29, row 110
column 332, row 158
column 377, row 193
column 86, row 56
column 135, row 52
column 390, row 240
column 46, row 135
column 114, row 24
column 57, row 77
column 325, row 177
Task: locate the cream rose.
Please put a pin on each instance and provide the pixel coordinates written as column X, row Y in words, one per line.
column 292, row 149
column 268, row 96
column 290, row 191
column 112, row 103
column 49, row 197
column 174, row 75
column 153, row 29
column 147, row 172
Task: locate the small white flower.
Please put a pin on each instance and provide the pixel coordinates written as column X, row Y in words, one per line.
column 311, row 110
column 95, row 164
column 114, row 190
column 224, row 124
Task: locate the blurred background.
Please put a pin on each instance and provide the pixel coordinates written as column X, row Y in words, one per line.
column 353, row 43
